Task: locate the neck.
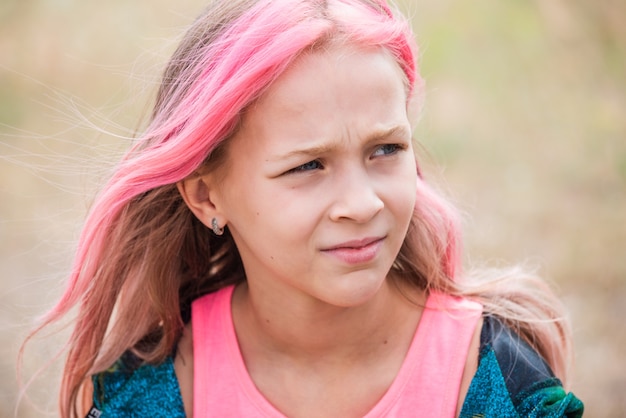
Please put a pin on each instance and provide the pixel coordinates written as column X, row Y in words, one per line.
column 271, row 324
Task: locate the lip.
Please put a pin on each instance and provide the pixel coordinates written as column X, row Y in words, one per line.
column 356, row 251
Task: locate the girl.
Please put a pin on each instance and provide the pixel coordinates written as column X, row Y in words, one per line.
column 269, row 247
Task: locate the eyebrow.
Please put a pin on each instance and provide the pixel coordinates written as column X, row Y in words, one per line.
column 324, row 148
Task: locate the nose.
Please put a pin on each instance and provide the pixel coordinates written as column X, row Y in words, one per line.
column 355, row 197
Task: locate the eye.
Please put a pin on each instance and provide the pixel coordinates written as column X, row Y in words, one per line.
column 387, row 149
column 309, row 166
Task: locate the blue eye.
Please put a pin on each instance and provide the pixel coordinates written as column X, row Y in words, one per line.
column 386, row 149
column 311, row 165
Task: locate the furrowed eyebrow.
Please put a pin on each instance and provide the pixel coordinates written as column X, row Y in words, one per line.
column 324, row 148
column 386, row 133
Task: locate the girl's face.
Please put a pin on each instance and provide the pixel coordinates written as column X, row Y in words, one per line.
column 320, row 182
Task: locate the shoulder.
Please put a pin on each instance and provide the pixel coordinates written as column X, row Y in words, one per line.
column 512, row 379
column 521, row 365
column 133, row 388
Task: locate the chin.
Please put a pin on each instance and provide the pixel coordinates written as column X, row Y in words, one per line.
column 353, row 293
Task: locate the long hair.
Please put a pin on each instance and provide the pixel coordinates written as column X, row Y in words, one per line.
column 143, row 257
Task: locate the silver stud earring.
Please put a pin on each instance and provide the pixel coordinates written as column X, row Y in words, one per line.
column 216, row 227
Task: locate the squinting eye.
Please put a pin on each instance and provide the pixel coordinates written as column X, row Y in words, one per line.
column 311, row 165
column 386, row 149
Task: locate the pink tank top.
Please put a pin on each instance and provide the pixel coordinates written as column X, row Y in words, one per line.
column 428, row 382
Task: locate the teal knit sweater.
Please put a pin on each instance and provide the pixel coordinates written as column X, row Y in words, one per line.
column 512, row 380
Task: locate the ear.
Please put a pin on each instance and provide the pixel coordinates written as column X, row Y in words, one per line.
column 199, row 194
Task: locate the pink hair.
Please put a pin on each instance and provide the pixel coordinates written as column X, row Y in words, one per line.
column 249, row 54
column 141, row 252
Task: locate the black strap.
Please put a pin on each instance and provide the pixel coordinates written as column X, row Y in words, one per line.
column 93, row 413
column 521, row 365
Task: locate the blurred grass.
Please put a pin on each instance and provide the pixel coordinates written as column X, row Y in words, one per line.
column 525, row 118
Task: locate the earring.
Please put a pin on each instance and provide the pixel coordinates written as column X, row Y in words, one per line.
column 216, row 227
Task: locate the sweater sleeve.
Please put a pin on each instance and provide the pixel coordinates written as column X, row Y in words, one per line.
column 132, row 389
column 513, row 380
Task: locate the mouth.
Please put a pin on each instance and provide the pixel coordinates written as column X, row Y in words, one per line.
column 356, row 251
column 355, row 244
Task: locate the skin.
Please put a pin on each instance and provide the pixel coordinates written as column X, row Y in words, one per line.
column 317, row 192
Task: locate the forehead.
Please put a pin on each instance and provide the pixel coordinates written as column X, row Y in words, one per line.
column 328, row 68
column 325, row 95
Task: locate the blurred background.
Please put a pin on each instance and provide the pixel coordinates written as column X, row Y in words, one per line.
column 524, row 125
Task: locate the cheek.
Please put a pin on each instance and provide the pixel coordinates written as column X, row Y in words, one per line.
column 405, row 202
column 405, row 188
column 277, row 214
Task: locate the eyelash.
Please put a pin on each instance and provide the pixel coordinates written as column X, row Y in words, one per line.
column 304, row 167
column 395, row 148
